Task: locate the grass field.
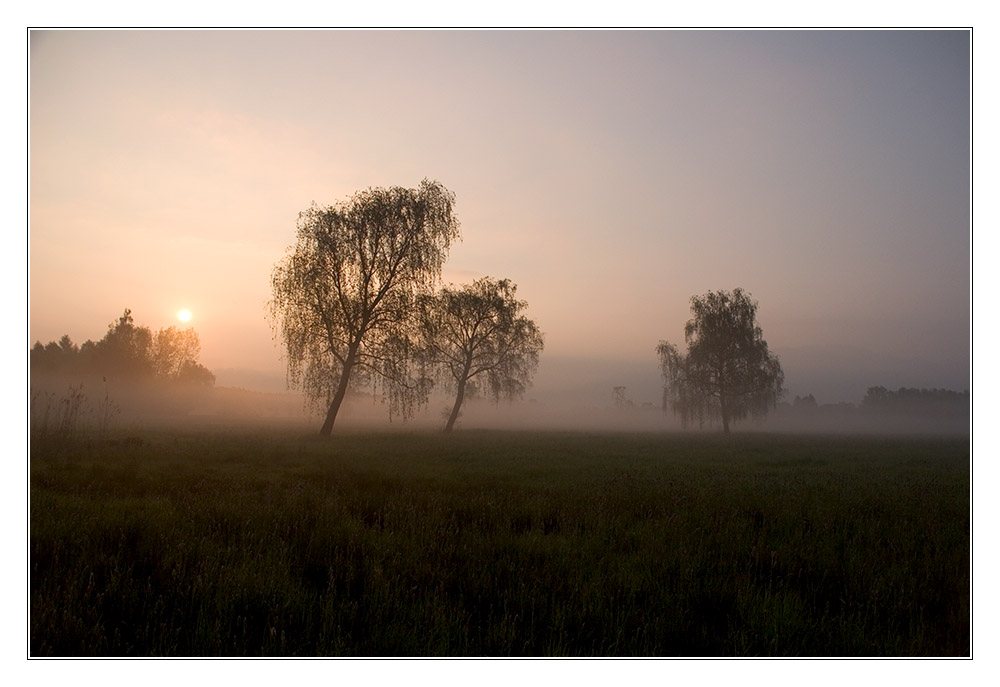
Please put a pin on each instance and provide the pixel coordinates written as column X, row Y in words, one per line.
column 241, row 542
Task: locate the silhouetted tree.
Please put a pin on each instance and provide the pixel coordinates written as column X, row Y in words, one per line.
column 195, row 374
column 344, row 296
column 53, row 356
column 173, row 349
column 477, row 331
column 67, row 346
column 728, row 372
column 806, row 402
column 876, row 396
column 127, row 348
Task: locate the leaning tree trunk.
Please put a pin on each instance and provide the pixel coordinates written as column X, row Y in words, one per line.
column 338, row 398
column 458, row 406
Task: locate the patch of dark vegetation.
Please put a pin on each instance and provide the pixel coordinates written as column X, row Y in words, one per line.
column 499, row 544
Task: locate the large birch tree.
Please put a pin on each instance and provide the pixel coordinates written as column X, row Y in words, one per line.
column 344, row 296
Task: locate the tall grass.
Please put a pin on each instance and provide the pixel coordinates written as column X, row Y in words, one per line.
column 498, row 544
column 72, row 416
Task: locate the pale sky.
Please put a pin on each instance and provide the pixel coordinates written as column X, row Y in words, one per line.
column 611, row 175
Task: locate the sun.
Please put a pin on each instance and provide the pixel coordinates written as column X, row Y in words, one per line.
column 184, row 316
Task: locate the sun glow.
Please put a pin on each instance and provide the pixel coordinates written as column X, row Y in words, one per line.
column 184, row 316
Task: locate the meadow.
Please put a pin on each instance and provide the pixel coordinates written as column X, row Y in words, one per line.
column 271, row 542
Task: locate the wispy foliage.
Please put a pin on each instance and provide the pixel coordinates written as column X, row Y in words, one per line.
column 344, row 296
column 728, row 372
column 477, row 332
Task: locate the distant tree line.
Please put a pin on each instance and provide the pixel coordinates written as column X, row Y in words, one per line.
column 915, row 401
column 128, row 353
column 880, row 401
column 131, row 373
column 906, row 409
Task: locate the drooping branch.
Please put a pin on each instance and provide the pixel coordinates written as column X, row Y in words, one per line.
column 476, row 330
column 342, row 296
column 728, row 372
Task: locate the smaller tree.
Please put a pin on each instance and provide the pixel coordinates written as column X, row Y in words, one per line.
column 174, row 348
column 728, row 372
column 195, row 374
column 477, row 332
column 806, row 402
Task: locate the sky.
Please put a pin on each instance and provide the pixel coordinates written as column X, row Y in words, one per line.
column 612, row 175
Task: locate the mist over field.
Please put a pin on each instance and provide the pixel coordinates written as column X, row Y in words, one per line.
column 567, row 394
column 152, row 406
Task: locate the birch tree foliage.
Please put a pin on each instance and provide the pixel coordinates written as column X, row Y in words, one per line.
column 344, row 296
column 728, row 372
column 475, row 336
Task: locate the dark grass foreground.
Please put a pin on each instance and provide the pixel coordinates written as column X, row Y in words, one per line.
column 495, row 544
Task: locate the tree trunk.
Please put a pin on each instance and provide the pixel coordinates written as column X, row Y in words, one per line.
column 458, row 406
column 724, row 411
column 338, row 398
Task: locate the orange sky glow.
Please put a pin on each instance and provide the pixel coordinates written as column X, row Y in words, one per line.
column 611, row 175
